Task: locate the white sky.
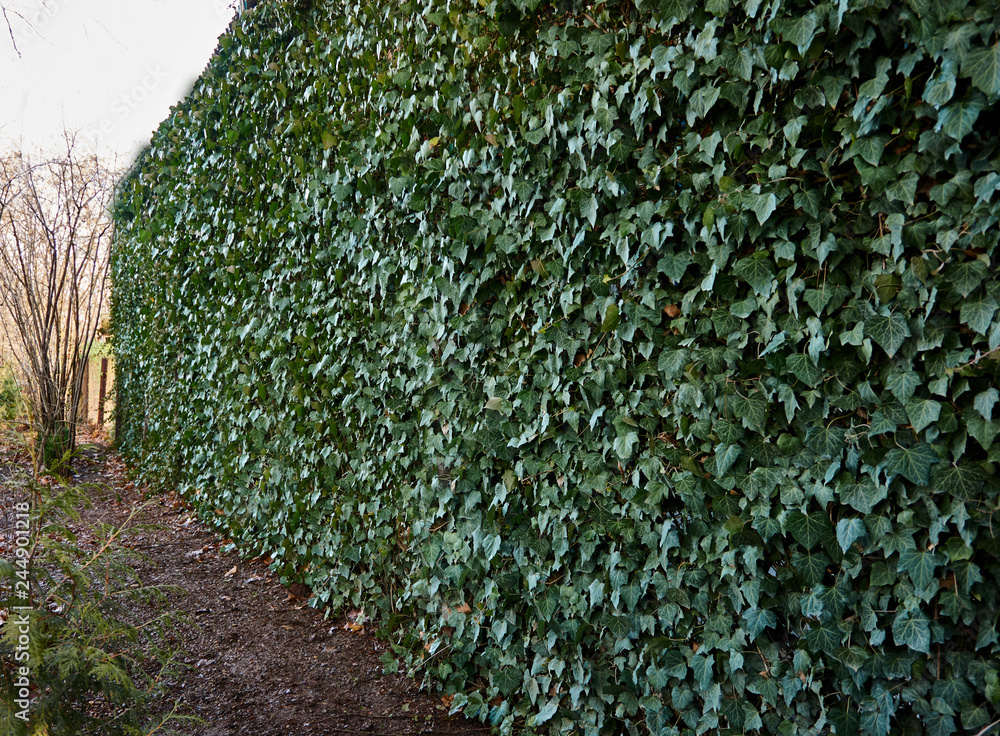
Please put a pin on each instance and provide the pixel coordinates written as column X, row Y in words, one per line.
column 108, row 68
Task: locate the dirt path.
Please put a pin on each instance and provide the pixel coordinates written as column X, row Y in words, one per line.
column 262, row 662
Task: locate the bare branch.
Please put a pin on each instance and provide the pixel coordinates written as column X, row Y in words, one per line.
column 55, row 234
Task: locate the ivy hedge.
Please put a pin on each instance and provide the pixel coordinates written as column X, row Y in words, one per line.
column 634, row 364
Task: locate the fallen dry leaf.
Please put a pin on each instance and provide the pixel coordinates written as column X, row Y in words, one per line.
column 230, row 573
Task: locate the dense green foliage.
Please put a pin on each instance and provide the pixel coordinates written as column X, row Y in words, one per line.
column 73, row 643
column 644, row 356
column 10, row 395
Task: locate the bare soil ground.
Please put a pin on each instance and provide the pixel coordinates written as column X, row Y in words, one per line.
column 260, row 660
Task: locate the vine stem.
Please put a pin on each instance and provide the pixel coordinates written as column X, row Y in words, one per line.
column 987, row 728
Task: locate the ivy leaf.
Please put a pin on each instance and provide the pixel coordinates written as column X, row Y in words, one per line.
column 974, row 716
column 702, row 668
column 982, row 431
column 958, row 119
column 966, row 276
column 940, row 89
column 881, row 424
column 825, row 639
column 888, row 331
column 978, row 312
column 962, row 481
column 507, row 679
column 751, row 410
column 756, row 620
column 810, row 566
column 985, row 401
column 671, row 362
column 588, row 209
column 912, row 629
column 802, row 367
column 870, row 148
column 902, row 385
column 826, row 441
column 624, row 444
column 618, row 626
column 798, row 30
column 725, row 456
column 849, row 531
column 920, row 564
column 983, row 65
column 548, row 710
column 862, row 496
column 810, row 529
column 922, row 413
column 757, row 271
column 674, row 9
column 954, row 691
column 611, row 318
column 763, row 206
column 913, row 463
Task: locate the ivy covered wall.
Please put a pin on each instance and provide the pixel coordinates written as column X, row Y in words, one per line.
column 634, row 365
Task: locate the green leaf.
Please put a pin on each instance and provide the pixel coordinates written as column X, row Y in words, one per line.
column 763, row 206
column 870, row 148
column 546, row 712
column 939, row 89
column 888, row 331
column 912, row 629
column 611, row 317
column 954, row 691
column 802, row 367
column 922, row 413
column 962, row 481
column 849, row 531
column 588, row 210
column 675, row 9
column 757, row 271
column 985, row 401
column 965, row 277
column 725, row 456
column 702, row 101
column 671, row 362
column 920, row 564
column 982, row 431
column 702, row 668
column 750, row 410
column 507, row 679
column 983, row 65
column 618, row 626
column 798, row 30
column 624, row 445
column 913, row 463
column 827, row 441
column 810, row 529
column 756, row 620
column 978, row 312
column 974, row 716
column 811, row 566
column 862, row 496
column 902, row 385
column 957, row 120
column 825, row 639
column 881, row 424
